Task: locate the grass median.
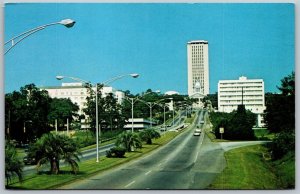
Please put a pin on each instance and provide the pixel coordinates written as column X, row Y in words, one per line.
column 247, row 169
column 88, row 168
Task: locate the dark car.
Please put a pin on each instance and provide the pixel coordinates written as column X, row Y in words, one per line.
column 29, row 160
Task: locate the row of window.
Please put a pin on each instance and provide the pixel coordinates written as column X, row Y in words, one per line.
column 239, row 87
column 239, row 91
column 240, row 101
column 248, row 105
column 232, row 96
column 242, row 83
column 69, row 93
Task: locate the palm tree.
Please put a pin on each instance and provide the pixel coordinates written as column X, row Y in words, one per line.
column 52, row 148
column 13, row 166
column 129, row 140
column 148, row 134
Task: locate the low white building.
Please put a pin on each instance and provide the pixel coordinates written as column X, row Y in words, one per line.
column 249, row 92
column 138, row 124
column 77, row 93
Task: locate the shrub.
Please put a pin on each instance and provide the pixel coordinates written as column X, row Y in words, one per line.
column 118, row 152
column 283, row 143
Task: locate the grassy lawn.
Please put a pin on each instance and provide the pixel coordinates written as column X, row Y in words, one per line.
column 263, row 134
column 88, row 168
column 247, row 169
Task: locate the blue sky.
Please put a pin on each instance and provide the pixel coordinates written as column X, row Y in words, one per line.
column 253, row 40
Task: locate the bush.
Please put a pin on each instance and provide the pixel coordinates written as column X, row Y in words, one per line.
column 237, row 124
column 117, row 152
column 283, row 143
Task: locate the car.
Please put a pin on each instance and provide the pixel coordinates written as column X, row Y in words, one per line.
column 197, row 133
column 29, row 160
column 201, row 122
column 198, row 130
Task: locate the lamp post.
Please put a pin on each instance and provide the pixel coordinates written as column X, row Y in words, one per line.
column 164, row 106
column 151, row 105
column 132, row 101
column 60, row 77
column 17, row 39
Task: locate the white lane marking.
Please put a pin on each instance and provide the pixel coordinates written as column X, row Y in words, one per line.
column 148, row 172
column 196, row 157
column 160, row 164
column 130, row 184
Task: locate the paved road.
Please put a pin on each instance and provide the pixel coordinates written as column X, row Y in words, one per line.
column 187, row 162
column 174, row 166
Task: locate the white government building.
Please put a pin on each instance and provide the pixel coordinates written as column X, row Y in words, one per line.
column 249, row 92
column 77, row 93
column 198, row 69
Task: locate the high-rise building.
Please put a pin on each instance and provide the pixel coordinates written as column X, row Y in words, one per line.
column 247, row 92
column 198, row 68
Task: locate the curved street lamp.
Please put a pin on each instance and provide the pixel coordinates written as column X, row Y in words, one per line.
column 133, row 75
column 151, row 105
column 17, row 39
column 133, row 100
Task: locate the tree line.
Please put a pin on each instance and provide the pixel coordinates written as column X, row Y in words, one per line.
column 31, row 112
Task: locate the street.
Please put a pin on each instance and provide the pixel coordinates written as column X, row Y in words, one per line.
column 187, row 162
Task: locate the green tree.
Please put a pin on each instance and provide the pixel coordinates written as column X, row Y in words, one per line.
column 90, row 109
column 62, row 109
column 280, row 111
column 113, row 113
column 241, row 124
column 237, row 124
column 287, row 87
column 211, row 99
column 280, row 117
column 148, row 134
column 13, row 165
column 27, row 113
column 129, row 141
column 51, row 148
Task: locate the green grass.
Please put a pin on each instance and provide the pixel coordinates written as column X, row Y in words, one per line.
column 263, row 134
column 285, row 170
column 88, row 168
column 190, row 119
column 247, row 169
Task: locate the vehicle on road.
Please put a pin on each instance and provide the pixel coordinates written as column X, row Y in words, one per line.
column 197, row 133
column 198, row 130
column 201, row 122
column 29, row 160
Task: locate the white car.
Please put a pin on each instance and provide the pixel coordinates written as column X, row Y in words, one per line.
column 198, row 130
column 197, row 133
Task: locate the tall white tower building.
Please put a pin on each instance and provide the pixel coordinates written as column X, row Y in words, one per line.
column 198, row 70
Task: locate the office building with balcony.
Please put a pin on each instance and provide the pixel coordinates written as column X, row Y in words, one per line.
column 247, row 92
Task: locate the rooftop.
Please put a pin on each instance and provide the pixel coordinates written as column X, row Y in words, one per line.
column 198, row 42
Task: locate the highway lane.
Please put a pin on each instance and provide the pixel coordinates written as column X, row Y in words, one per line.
column 169, row 167
column 187, row 162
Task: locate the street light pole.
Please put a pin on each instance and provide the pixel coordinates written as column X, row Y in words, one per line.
column 97, row 127
column 17, row 39
column 151, row 105
column 132, row 101
column 132, row 115
column 60, row 77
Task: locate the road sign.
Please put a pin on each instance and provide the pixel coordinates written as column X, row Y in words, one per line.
column 221, row 129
